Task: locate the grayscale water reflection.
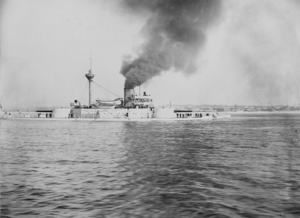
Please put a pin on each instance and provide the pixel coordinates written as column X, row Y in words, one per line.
column 248, row 166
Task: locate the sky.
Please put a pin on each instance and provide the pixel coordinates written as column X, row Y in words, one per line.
column 250, row 54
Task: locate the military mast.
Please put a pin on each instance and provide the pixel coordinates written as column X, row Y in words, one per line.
column 90, row 77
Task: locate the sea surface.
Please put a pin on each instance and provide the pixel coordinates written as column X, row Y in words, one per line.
column 246, row 166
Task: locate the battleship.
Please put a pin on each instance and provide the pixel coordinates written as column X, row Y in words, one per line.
column 133, row 107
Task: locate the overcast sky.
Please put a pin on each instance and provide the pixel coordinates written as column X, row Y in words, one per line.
column 251, row 55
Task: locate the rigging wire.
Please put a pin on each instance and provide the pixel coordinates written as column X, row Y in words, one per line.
column 106, row 89
column 105, row 92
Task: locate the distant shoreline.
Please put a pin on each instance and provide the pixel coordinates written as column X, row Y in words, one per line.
column 260, row 112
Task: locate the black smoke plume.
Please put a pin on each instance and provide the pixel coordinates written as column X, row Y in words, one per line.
column 174, row 35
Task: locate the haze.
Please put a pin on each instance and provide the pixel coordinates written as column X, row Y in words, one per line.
column 250, row 54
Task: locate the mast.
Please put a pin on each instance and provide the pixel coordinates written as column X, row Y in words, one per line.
column 90, row 77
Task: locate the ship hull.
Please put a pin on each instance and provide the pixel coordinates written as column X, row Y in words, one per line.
column 122, row 114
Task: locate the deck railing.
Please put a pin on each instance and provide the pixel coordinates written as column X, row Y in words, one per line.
column 29, row 109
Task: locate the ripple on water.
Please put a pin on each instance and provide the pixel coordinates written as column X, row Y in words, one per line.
column 247, row 166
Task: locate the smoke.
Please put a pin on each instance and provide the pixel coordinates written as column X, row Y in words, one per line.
column 251, row 56
column 174, row 32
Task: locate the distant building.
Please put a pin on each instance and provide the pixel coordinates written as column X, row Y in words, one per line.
column 218, row 109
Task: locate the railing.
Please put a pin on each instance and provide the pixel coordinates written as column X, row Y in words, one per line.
column 29, row 109
column 35, row 115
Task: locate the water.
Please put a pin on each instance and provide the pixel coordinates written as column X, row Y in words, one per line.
column 248, row 166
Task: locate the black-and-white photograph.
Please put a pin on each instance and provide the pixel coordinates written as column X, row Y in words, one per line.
column 150, row 108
